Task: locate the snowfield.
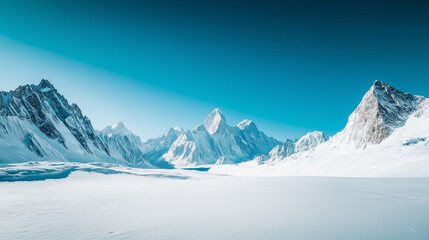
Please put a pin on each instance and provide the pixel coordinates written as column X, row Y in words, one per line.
column 307, row 188
column 98, row 201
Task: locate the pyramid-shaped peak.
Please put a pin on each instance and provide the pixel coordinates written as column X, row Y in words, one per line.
column 377, row 83
column 382, row 110
column 45, row 84
column 117, row 129
column 385, row 94
column 119, row 125
column 213, row 120
column 380, row 85
column 216, row 111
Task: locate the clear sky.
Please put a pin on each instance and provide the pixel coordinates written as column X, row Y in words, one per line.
column 291, row 66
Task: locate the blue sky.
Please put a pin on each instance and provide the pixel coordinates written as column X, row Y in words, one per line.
column 291, row 66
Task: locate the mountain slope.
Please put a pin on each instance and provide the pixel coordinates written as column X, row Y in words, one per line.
column 215, row 140
column 305, row 143
column 37, row 123
column 42, row 106
column 381, row 110
column 387, row 135
column 125, row 145
column 154, row 148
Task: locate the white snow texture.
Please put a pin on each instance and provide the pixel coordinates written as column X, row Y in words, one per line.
column 387, row 135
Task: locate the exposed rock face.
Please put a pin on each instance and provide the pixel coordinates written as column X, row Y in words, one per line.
column 39, row 119
column 381, row 110
column 387, row 135
column 44, row 107
column 215, row 141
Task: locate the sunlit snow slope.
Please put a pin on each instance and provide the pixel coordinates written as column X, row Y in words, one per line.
column 38, row 124
column 387, row 135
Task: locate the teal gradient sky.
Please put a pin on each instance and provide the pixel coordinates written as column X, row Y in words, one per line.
column 291, row 66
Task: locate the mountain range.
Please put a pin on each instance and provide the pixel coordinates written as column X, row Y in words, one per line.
column 38, row 124
column 387, row 135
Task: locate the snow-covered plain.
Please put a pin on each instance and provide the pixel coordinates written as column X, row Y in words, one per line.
column 178, row 204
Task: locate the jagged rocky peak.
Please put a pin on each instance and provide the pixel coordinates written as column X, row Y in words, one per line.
column 214, row 120
column 118, row 128
column 246, row 124
column 382, row 109
column 45, row 85
column 48, row 110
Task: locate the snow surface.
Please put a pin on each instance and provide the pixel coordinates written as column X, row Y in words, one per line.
column 36, row 171
column 91, row 205
column 387, row 135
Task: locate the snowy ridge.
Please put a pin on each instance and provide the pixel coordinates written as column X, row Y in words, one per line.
column 217, row 142
column 154, row 148
column 381, row 110
column 387, row 135
column 125, row 145
column 39, row 120
column 305, row 143
column 117, row 129
column 38, row 123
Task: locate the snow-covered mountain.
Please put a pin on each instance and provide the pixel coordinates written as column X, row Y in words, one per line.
column 305, row 143
column 381, row 111
column 42, row 120
column 216, row 141
column 387, row 135
column 123, row 144
column 37, row 123
column 154, row 148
